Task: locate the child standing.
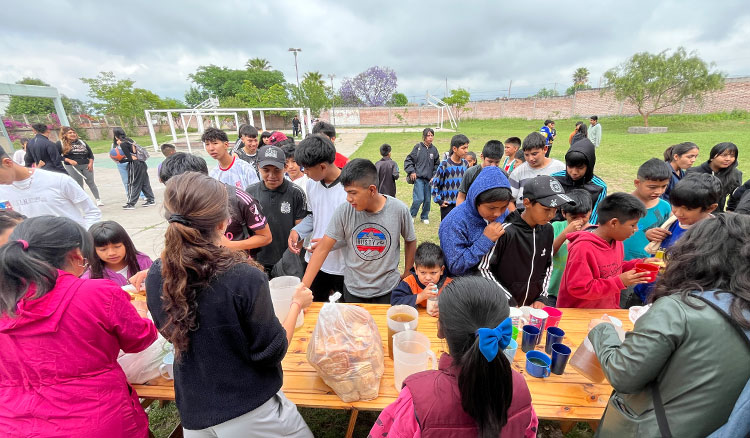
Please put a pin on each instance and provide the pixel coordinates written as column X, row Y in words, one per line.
column 492, row 153
column 722, row 163
column 579, row 173
column 138, row 181
column 247, row 150
column 479, row 392
column 425, row 281
column 387, row 172
column 471, row 158
column 369, row 227
column 651, row 181
column 512, row 146
column 680, row 158
column 548, row 132
column 449, row 175
column 229, row 169
column 420, row 166
column 282, row 201
column 595, row 274
column 116, row 257
column 293, row 170
column 325, row 194
column 522, row 258
column 537, row 163
column 576, row 217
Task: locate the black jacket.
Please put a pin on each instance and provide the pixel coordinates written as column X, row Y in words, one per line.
column 423, row 160
column 40, row 148
column 387, row 176
column 737, row 195
column 590, row 182
column 521, row 260
column 730, row 178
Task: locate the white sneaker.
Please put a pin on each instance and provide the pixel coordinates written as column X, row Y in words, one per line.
column 426, row 221
column 99, row 203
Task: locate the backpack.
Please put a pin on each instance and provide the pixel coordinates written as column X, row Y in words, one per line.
column 140, row 153
column 737, row 426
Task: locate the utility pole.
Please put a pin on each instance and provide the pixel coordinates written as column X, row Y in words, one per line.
column 295, row 51
column 446, row 87
column 509, row 85
column 333, row 100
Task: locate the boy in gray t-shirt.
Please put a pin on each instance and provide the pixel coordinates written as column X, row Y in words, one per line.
column 368, row 228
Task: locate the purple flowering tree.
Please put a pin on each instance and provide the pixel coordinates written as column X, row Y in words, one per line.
column 372, row 87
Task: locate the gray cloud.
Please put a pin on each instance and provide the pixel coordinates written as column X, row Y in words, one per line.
column 476, row 45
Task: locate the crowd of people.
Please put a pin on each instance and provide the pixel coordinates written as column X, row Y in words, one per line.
column 518, row 228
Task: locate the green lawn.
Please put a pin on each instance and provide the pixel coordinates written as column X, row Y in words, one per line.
column 618, row 159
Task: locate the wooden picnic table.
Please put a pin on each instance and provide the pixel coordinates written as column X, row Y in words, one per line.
column 568, row 398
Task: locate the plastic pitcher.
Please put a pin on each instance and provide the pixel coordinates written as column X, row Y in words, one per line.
column 411, row 350
column 282, row 291
column 400, row 318
column 584, row 359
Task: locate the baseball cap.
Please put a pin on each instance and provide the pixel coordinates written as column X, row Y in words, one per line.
column 271, row 155
column 546, row 191
column 277, row 137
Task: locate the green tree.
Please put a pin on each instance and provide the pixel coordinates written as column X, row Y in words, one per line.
column 224, row 82
column 30, row 105
column 398, row 99
column 652, row 82
column 312, row 93
column 275, row 96
column 119, row 97
column 258, row 64
column 573, row 88
column 196, row 95
column 544, row 93
column 581, row 76
column 458, row 98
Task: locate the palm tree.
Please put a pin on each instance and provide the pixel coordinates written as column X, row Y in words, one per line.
column 314, row 77
column 258, row 64
column 581, row 76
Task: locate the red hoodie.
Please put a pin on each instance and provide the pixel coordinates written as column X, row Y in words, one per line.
column 591, row 278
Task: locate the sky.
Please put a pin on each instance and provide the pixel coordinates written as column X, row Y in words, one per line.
column 478, row 45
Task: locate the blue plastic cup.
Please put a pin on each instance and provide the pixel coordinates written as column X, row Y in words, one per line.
column 560, row 356
column 538, row 364
column 530, row 338
column 510, row 350
column 555, row 335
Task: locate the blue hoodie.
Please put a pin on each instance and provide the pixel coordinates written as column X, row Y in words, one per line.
column 462, row 231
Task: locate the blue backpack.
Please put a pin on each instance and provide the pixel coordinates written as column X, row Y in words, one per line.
column 738, row 424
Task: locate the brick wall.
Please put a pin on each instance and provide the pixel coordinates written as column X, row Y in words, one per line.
column 735, row 95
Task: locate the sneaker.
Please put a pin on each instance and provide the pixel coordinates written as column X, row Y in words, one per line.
column 99, row 203
column 128, row 207
column 149, row 203
column 426, row 221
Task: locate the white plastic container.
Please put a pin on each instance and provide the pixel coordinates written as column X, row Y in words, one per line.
column 282, row 292
column 411, row 350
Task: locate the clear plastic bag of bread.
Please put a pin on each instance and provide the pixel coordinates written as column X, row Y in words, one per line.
column 346, row 351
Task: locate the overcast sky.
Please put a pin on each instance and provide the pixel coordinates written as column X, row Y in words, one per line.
column 476, row 45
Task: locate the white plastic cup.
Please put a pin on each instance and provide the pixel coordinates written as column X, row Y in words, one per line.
column 282, row 292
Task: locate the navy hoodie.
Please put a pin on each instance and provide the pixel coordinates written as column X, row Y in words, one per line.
column 462, row 231
column 590, row 182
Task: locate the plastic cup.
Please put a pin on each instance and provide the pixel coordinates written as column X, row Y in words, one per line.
column 530, row 338
column 510, row 350
column 516, row 315
column 555, row 335
column 651, row 268
column 432, row 306
column 166, row 369
column 538, row 364
column 555, row 315
column 538, row 318
column 560, row 356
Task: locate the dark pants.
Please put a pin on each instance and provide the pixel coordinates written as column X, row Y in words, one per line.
column 138, row 181
column 549, row 149
column 349, row 298
column 445, row 210
column 421, row 196
column 628, row 298
column 552, row 300
column 295, row 131
column 325, row 285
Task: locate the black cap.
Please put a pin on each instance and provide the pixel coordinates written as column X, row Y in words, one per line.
column 271, row 155
column 546, row 191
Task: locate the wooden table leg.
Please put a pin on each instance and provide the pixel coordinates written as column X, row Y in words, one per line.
column 352, row 423
column 177, row 432
column 594, row 425
column 567, row 426
column 146, row 402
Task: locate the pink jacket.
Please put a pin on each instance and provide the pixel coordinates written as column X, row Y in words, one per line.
column 59, row 375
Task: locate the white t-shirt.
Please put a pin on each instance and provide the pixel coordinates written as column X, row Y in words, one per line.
column 322, row 201
column 301, row 182
column 524, row 172
column 19, row 156
column 239, row 174
column 51, row 193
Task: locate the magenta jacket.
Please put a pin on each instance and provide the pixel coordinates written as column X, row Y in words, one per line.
column 59, row 375
column 144, row 262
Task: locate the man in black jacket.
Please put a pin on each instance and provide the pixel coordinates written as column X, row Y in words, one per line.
column 420, row 166
column 42, row 152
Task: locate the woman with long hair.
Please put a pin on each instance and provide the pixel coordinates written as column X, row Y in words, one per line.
column 684, row 356
column 480, row 394
column 122, row 166
column 78, row 160
column 680, row 158
column 580, row 132
column 722, row 163
column 138, row 181
column 216, row 310
column 60, row 337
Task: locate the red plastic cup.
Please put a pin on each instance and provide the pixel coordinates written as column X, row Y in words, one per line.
column 555, row 315
column 652, row 269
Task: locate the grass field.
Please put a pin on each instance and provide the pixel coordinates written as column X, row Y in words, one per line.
column 618, row 159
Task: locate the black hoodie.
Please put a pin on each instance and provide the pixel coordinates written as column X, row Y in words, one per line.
column 730, row 178
column 590, row 182
column 521, row 260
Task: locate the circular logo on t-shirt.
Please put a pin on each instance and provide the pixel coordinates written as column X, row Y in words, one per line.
column 371, row 241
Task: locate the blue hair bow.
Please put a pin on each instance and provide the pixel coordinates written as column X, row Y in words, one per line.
column 493, row 340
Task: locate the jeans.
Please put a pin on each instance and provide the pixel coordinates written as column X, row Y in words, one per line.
column 421, row 195
column 123, row 169
column 81, row 171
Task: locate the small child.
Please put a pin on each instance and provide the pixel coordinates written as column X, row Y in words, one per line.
column 8, row 221
column 492, row 153
column 368, row 228
column 512, row 146
column 282, row 201
column 387, row 172
column 596, row 272
column 116, row 257
column 537, row 163
column 651, row 181
column 576, row 217
column 293, row 170
column 579, row 173
column 548, row 132
column 449, row 175
column 168, row 149
column 471, row 158
column 426, row 280
column 520, row 158
column 521, row 261
column 229, row 169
